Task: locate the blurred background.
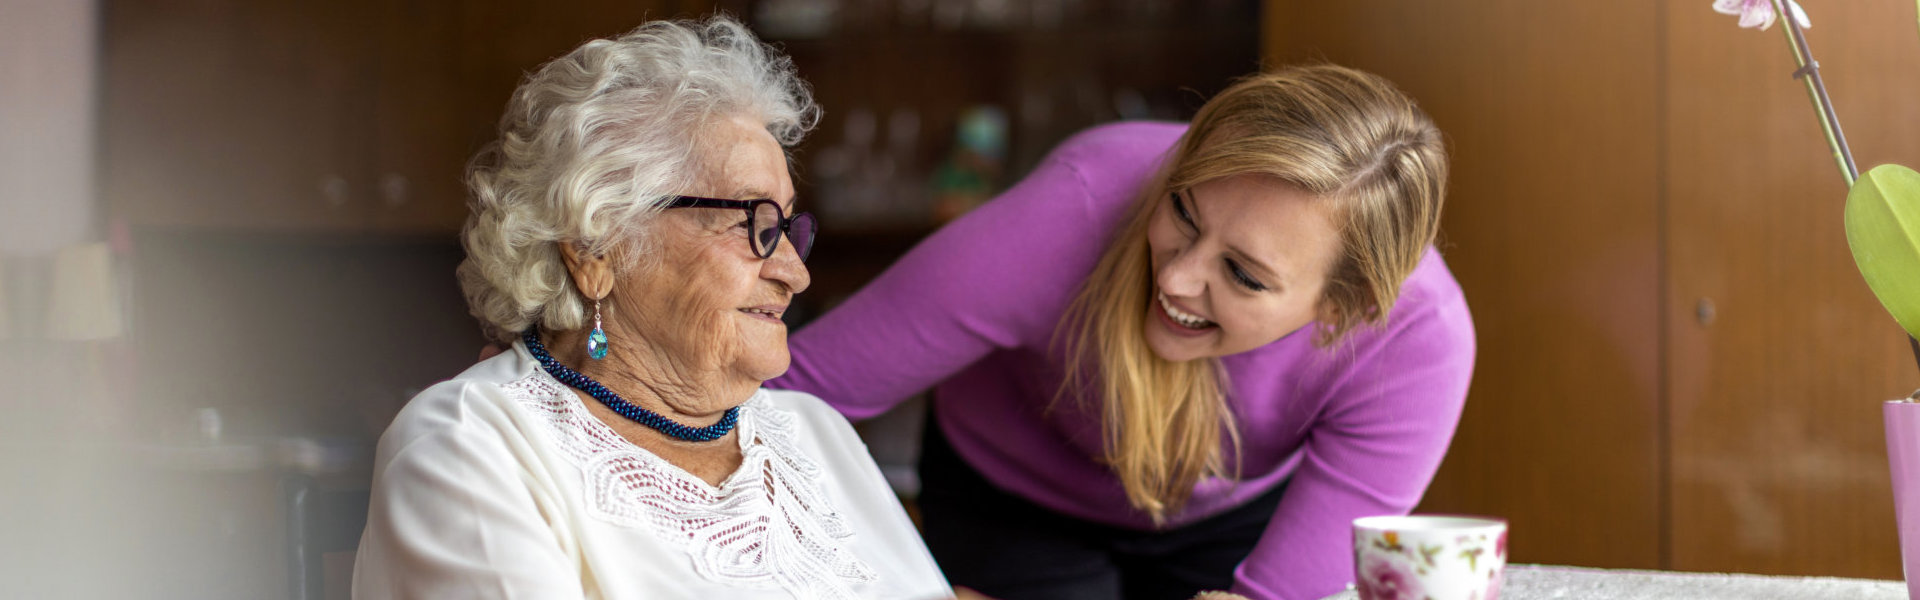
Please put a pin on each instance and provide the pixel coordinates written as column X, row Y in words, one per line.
column 227, row 238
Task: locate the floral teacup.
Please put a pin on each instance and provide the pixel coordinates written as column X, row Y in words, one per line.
column 1423, row 557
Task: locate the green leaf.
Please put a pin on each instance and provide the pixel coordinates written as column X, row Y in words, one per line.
column 1883, row 229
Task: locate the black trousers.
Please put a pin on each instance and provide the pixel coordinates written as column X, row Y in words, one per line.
column 1012, row 549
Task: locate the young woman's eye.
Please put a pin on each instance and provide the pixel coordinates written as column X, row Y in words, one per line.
column 1241, row 277
column 1180, row 210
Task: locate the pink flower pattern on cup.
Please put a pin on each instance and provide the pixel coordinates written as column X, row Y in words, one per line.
column 1429, row 558
column 1385, row 580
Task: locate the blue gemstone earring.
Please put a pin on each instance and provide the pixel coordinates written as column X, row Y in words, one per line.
column 597, row 339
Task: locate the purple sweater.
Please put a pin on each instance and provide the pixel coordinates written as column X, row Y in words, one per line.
column 1358, row 428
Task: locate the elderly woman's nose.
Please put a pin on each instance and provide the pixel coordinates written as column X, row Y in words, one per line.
column 786, row 267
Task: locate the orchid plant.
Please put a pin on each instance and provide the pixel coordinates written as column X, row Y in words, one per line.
column 1759, row 13
column 1883, row 207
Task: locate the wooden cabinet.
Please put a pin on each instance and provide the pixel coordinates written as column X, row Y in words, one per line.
column 230, row 114
column 896, row 78
column 1679, row 365
column 421, row 129
column 898, row 92
column 350, row 116
column 359, row 116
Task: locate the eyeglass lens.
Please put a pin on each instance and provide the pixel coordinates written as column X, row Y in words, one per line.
column 766, row 231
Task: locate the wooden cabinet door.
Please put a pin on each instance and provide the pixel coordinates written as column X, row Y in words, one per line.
column 1679, row 365
column 426, row 119
column 343, row 116
column 444, row 73
column 1779, row 355
column 234, row 114
column 1552, row 227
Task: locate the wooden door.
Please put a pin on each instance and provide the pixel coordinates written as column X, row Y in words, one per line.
column 1552, row 226
column 1779, row 355
column 1679, row 365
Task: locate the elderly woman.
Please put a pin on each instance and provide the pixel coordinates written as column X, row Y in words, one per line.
column 634, row 239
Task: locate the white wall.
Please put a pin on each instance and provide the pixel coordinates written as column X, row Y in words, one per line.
column 48, row 75
column 47, row 120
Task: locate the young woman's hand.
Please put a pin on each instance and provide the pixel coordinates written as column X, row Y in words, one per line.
column 961, row 593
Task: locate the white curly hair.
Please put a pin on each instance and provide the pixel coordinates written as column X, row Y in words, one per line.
column 594, row 143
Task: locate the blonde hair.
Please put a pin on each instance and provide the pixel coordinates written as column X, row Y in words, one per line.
column 593, row 143
column 1345, row 136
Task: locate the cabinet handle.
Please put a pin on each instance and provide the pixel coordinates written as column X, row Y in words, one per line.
column 334, row 190
column 1705, row 312
column 393, row 190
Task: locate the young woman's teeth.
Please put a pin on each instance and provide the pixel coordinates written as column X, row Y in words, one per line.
column 1191, row 321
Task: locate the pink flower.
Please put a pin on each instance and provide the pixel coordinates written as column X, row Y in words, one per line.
column 1383, row 580
column 1758, row 13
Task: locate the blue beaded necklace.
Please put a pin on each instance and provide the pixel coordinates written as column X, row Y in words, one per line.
column 620, row 405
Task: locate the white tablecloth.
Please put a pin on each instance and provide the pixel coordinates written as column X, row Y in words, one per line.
column 1537, row 582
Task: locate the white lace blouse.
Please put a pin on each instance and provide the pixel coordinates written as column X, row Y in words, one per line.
column 499, row 484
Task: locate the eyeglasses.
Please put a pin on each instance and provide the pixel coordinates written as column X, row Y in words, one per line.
column 766, row 223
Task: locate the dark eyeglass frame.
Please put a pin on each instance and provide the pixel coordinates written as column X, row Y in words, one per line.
column 752, row 206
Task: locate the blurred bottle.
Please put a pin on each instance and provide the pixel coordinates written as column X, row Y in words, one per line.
column 913, row 14
column 836, row 170
column 970, row 174
column 795, row 19
column 898, row 168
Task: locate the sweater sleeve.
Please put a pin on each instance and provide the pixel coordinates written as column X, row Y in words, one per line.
column 990, row 280
column 1385, row 428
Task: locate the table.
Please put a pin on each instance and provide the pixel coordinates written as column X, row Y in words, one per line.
column 1531, row 582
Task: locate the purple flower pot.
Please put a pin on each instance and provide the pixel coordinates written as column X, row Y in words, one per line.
column 1903, row 455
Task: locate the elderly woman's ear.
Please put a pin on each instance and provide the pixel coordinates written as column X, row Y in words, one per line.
column 592, row 274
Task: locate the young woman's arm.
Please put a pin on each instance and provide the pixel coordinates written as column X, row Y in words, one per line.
column 1386, row 427
column 992, row 279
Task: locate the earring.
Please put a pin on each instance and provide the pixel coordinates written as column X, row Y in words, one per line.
column 597, row 339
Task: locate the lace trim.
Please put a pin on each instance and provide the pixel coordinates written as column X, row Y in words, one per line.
column 769, row 525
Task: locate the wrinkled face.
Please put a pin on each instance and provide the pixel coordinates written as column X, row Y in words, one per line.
column 709, row 305
column 1238, row 262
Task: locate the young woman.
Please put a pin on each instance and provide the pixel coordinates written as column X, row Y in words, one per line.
column 1176, row 358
